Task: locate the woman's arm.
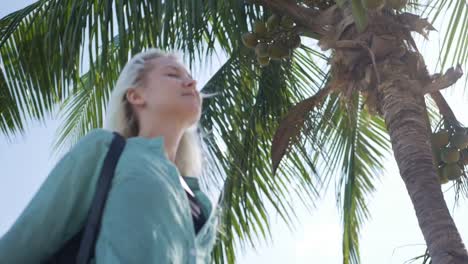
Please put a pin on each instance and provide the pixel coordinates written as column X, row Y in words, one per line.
column 58, row 209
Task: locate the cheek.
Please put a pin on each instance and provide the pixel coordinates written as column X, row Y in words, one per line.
column 190, row 105
column 163, row 95
column 166, row 97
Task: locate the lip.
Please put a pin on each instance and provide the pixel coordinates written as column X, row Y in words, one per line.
column 192, row 93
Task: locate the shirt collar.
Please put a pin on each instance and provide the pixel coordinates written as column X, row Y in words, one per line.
column 156, row 144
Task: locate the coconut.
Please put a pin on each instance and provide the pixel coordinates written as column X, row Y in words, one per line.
column 249, row 39
column 278, row 51
column 261, row 50
column 442, row 178
column 287, row 22
column 464, row 157
column 260, row 27
column 436, row 156
column 273, row 22
column 294, row 41
column 449, row 155
column 440, row 139
column 459, row 140
column 263, row 61
column 452, row 171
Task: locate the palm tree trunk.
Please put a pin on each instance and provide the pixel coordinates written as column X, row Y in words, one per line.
column 405, row 116
column 399, row 73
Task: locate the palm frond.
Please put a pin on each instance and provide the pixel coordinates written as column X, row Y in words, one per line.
column 10, row 117
column 249, row 107
column 356, row 144
column 359, row 14
column 241, row 120
column 84, row 109
column 44, row 46
column 454, row 49
column 425, row 258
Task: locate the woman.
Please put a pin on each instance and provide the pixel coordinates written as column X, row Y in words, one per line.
column 147, row 217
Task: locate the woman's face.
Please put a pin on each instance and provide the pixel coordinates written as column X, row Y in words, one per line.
column 170, row 91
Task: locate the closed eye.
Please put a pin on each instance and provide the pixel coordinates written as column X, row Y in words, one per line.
column 177, row 72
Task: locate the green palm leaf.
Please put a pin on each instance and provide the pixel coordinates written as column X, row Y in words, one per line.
column 44, row 46
column 83, row 110
column 454, row 49
column 10, row 117
column 355, row 145
column 242, row 118
column 249, row 106
column 43, row 66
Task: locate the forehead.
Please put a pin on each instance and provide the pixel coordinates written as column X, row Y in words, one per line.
column 167, row 62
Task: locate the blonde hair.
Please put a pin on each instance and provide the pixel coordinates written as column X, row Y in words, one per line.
column 121, row 118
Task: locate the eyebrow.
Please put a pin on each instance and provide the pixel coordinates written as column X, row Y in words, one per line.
column 179, row 69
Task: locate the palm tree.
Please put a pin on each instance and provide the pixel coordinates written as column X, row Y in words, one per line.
column 324, row 123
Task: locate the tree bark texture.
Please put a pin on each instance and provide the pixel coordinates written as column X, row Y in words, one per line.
column 384, row 65
column 405, row 115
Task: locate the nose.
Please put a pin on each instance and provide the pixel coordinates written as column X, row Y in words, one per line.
column 190, row 83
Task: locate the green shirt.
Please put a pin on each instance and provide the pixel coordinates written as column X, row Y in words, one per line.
column 147, row 217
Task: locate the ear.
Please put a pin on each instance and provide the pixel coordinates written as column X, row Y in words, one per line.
column 135, row 96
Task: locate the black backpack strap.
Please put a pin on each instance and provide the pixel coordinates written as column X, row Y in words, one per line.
column 93, row 223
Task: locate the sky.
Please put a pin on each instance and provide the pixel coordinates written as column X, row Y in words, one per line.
column 392, row 234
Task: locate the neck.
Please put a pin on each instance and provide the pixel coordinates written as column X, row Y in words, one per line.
column 171, row 132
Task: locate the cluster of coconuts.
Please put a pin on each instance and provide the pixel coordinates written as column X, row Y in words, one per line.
column 273, row 39
column 450, row 150
column 379, row 4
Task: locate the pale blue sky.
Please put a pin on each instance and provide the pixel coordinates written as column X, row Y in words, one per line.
column 391, row 236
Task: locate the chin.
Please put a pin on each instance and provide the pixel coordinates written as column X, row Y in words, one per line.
column 188, row 110
column 191, row 115
column 194, row 119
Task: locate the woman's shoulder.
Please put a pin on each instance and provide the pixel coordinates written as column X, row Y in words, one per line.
column 96, row 135
column 93, row 140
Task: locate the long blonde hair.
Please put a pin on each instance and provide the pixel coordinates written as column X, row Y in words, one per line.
column 121, row 118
